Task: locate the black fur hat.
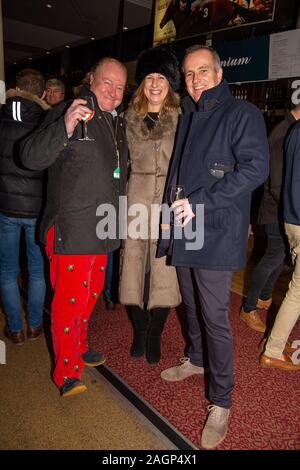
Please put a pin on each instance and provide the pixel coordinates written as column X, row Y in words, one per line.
column 158, row 60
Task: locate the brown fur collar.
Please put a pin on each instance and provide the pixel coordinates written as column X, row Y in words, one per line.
column 12, row 93
column 164, row 126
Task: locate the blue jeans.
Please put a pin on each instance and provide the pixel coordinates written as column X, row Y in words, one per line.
column 10, row 230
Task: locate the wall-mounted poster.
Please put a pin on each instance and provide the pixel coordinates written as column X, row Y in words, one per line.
column 245, row 60
column 178, row 19
column 167, row 32
column 284, row 54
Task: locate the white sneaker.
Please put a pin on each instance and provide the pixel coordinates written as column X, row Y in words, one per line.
column 181, row 372
column 215, row 428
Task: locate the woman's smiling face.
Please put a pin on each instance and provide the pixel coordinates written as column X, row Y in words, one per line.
column 156, row 88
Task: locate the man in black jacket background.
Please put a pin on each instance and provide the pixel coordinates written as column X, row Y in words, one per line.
column 275, row 355
column 85, row 176
column 20, row 205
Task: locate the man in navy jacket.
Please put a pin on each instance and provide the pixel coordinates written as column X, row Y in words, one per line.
column 221, row 156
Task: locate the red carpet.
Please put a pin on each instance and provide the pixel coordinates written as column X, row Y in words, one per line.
column 266, row 406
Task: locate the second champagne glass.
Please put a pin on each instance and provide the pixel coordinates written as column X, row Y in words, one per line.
column 174, row 194
column 88, row 116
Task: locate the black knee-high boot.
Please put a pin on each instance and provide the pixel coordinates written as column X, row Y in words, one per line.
column 140, row 328
column 158, row 319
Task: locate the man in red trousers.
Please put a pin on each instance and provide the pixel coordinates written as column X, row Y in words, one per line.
column 83, row 174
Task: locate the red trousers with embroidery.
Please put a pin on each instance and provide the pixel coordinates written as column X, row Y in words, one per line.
column 77, row 281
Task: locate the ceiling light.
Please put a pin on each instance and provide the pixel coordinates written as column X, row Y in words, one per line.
column 67, row 46
column 92, row 39
column 48, row 5
column 125, row 28
column 47, row 52
column 29, row 58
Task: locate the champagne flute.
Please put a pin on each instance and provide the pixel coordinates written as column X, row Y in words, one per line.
column 174, row 194
column 88, row 116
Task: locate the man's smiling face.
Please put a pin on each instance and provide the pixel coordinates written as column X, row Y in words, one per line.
column 200, row 73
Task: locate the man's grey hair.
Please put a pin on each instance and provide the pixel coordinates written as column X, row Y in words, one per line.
column 55, row 82
column 200, row 47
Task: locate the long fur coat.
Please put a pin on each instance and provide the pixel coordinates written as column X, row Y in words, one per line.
column 150, row 153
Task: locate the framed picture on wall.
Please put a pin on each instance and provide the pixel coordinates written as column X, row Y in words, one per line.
column 179, row 19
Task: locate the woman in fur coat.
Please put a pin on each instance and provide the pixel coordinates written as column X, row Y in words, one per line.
column 148, row 284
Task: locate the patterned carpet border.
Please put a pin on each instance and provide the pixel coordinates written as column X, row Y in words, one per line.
column 266, row 409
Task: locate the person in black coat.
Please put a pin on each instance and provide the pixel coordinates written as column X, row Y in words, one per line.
column 86, row 177
column 221, row 155
column 275, row 355
column 21, row 201
column 270, row 215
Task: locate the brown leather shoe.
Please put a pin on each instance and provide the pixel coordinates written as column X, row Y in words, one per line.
column 253, row 320
column 34, row 332
column 288, row 349
column 285, row 364
column 264, row 304
column 16, row 337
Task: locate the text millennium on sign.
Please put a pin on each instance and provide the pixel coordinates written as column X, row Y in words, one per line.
column 234, row 62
